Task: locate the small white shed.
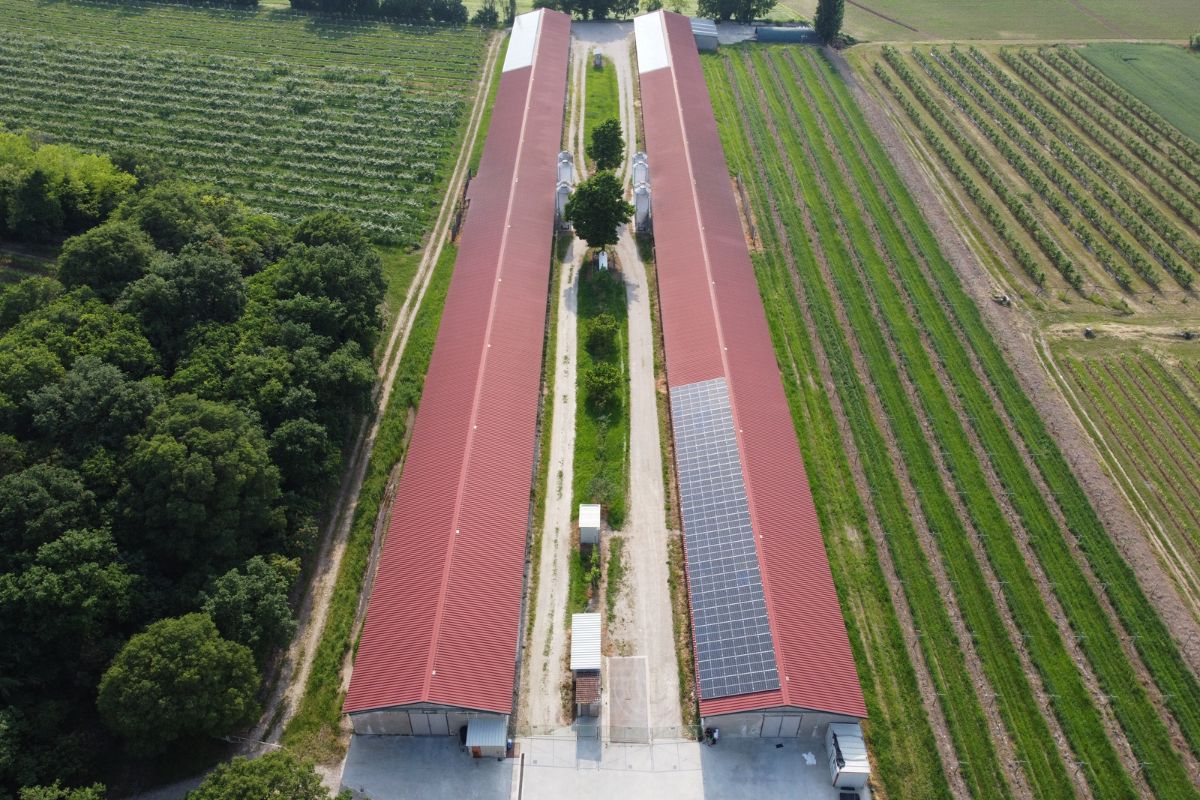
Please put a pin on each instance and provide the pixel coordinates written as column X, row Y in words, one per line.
column 849, row 767
column 487, row 737
column 589, row 523
column 585, row 642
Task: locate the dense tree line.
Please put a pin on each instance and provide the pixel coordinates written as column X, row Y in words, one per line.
column 446, row 11
column 173, row 406
column 739, row 10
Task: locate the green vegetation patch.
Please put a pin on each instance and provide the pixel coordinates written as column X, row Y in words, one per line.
column 601, row 471
column 603, row 100
column 1162, row 76
column 295, row 114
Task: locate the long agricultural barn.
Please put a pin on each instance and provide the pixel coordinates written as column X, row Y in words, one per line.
column 772, row 655
column 440, row 644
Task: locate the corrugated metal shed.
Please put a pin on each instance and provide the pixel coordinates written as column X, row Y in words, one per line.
column 585, row 642
column 444, row 615
column 705, row 33
column 714, row 326
column 488, row 732
column 589, row 515
column 795, row 34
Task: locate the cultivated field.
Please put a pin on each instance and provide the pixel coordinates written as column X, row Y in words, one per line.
column 295, row 114
column 1158, row 75
column 1044, row 668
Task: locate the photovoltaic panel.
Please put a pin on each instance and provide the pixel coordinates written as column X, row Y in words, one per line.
column 734, row 650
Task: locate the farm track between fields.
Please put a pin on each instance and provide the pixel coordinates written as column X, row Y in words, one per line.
column 1048, row 567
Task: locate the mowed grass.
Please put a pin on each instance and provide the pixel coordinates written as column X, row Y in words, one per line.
column 603, row 101
column 1163, row 77
column 292, row 113
column 601, row 468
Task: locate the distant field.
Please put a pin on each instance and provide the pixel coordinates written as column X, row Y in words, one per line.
column 291, row 112
column 1163, row 77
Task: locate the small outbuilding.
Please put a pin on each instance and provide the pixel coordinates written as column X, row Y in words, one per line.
column 585, row 663
column 705, row 31
column 589, row 520
column 487, row 737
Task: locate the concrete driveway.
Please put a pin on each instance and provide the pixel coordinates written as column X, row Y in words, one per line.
column 422, row 768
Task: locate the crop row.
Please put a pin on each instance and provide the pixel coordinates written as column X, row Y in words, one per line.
column 1095, row 116
column 1098, row 220
column 1127, row 99
column 1113, row 670
column 1057, row 201
column 938, row 640
column 1089, row 619
column 1070, row 150
column 291, row 36
column 977, row 159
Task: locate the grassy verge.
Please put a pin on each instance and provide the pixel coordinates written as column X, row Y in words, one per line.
column 603, row 100
column 689, row 701
column 549, row 374
column 614, row 576
column 601, row 471
column 313, row 730
column 584, row 572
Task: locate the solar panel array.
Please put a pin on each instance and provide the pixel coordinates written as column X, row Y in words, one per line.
column 734, row 650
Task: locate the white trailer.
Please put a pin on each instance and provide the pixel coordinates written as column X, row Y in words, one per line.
column 848, row 764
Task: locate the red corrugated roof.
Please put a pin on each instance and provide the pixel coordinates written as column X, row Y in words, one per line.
column 714, row 325
column 444, row 614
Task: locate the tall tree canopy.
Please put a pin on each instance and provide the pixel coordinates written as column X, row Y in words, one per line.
column 607, row 146
column 278, row 774
column 597, row 208
column 828, row 21
column 178, row 678
column 740, row 10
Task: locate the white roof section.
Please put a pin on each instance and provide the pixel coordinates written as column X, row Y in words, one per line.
column 651, row 42
column 585, row 642
column 853, row 748
column 487, row 732
column 703, row 27
column 523, row 41
column 589, row 513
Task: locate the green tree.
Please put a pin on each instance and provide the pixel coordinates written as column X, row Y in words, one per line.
column 34, row 211
column 37, row 505
column 828, row 22
column 200, row 491
column 278, row 775
column 330, row 227
column 488, row 16
column 607, row 147
column 56, row 792
column 201, row 284
column 177, row 679
column 250, row 606
column 741, row 10
column 106, row 258
column 597, row 208
column 94, row 405
column 602, row 334
column 602, row 386
column 28, row 295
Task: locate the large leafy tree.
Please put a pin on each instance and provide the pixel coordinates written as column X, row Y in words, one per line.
column 597, row 208
column 276, row 775
column 607, row 147
column 176, row 679
column 36, row 505
column 828, row 21
column 56, row 792
column 740, row 10
column 95, row 404
column 200, row 491
column 250, row 605
column 106, row 258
